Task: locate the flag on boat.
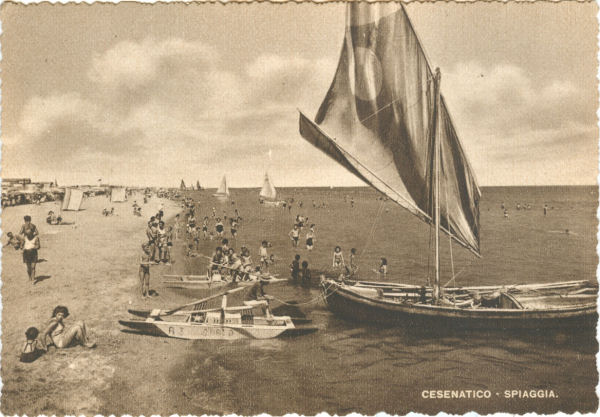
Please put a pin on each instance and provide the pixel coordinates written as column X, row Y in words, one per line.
column 377, row 117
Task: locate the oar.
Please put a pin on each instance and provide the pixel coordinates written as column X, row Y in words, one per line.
column 169, row 312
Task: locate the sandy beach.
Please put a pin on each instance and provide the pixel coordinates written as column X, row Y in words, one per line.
column 89, row 265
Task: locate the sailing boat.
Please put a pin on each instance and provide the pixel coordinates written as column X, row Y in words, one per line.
column 385, row 120
column 198, row 186
column 182, row 186
column 223, row 191
column 268, row 193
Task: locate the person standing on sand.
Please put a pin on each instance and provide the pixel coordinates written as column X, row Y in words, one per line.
column 31, row 244
column 145, row 262
column 62, row 336
column 27, row 226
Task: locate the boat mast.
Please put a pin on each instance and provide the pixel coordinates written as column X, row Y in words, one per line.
column 436, row 194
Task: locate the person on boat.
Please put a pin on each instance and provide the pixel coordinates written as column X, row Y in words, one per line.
column 14, row 241
column 256, row 296
column 295, row 268
column 338, row 258
column 219, row 227
column 294, row 235
column 310, row 238
column 31, row 349
column 383, row 267
column 144, row 272
column 235, row 263
column 63, row 336
column 216, row 262
column 28, row 226
column 31, row 245
column 306, row 275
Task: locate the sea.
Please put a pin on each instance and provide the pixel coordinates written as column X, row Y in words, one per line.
column 354, row 367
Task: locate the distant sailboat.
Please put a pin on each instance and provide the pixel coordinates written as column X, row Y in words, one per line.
column 223, row 190
column 268, row 193
column 182, row 186
column 385, row 121
column 198, row 187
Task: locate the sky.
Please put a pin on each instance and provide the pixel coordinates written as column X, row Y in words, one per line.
column 139, row 94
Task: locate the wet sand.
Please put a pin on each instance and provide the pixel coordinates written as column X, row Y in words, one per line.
column 90, row 266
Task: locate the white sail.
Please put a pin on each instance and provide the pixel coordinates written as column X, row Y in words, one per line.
column 223, row 190
column 268, row 191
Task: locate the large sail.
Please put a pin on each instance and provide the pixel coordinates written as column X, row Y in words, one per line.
column 377, row 117
column 268, row 191
column 223, row 189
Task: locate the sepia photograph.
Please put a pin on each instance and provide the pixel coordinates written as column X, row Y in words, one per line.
column 248, row 208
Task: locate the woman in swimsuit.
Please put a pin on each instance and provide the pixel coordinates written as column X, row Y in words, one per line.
column 62, row 336
column 310, row 238
column 219, row 227
column 338, row 258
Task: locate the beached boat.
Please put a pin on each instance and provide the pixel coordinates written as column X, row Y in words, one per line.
column 215, row 281
column 223, row 190
column 194, row 321
column 268, row 194
column 385, row 120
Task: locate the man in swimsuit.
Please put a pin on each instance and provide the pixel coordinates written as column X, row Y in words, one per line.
column 257, row 297
column 31, row 244
column 294, row 235
column 145, row 262
column 28, row 226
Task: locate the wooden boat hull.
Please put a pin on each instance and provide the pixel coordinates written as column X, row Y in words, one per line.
column 354, row 306
column 192, row 331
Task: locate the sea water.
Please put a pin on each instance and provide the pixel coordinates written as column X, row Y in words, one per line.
column 348, row 366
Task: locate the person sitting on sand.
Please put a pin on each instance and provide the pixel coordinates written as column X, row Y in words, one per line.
column 338, row 258
column 63, row 336
column 53, row 219
column 13, row 241
column 31, row 245
column 31, row 349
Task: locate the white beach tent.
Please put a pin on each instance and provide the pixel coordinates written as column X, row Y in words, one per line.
column 72, row 199
column 117, row 195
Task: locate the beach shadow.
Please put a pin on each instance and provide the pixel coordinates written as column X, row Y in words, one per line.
column 152, row 293
column 66, row 224
column 39, row 261
column 41, row 278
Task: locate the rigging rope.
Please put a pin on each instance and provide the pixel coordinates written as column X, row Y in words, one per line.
column 320, row 297
column 372, row 232
column 449, row 235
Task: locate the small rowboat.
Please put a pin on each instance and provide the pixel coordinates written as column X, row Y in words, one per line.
column 224, row 323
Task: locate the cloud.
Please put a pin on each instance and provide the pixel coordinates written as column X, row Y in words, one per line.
column 504, row 116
